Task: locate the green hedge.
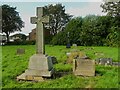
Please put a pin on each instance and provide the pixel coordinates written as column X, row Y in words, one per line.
column 21, row 43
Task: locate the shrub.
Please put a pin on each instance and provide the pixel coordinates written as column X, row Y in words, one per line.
column 21, row 43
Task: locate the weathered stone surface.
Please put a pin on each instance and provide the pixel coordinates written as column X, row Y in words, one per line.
column 30, row 77
column 54, row 60
column 39, row 66
column 75, row 55
column 20, row 51
column 39, row 20
column 40, row 62
column 75, row 45
column 84, row 67
column 104, row 61
column 116, row 63
column 38, row 78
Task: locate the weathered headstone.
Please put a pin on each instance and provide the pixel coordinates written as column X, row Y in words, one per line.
column 20, row 51
column 74, row 45
column 75, row 55
column 84, row 67
column 116, row 64
column 54, row 60
column 40, row 65
column 104, row 61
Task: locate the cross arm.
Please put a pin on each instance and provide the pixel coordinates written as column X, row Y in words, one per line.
column 33, row 20
column 45, row 19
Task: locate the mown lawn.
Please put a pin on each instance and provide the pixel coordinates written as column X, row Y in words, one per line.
column 13, row 65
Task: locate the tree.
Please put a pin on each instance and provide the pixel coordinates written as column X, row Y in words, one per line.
column 111, row 8
column 73, row 27
column 11, row 20
column 58, row 17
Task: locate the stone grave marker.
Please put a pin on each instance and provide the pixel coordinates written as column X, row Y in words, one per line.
column 20, row 51
column 40, row 65
column 116, row 64
column 75, row 45
column 104, row 61
column 84, row 67
column 75, row 55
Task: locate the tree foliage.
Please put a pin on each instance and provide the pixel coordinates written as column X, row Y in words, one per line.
column 111, row 8
column 72, row 27
column 11, row 20
column 89, row 31
column 58, row 17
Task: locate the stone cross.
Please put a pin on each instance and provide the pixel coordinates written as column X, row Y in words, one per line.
column 40, row 20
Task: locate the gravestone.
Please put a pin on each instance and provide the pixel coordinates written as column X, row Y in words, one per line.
column 68, row 45
column 54, row 60
column 20, row 51
column 116, row 64
column 75, row 55
column 104, row 61
column 40, row 65
column 75, row 45
column 84, row 67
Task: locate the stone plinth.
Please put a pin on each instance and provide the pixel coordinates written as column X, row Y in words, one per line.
column 84, row 67
column 39, row 66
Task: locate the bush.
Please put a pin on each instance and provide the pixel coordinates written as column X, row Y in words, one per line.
column 21, row 43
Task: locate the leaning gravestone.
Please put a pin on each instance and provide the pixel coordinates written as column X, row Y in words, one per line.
column 84, row 67
column 20, row 51
column 40, row 65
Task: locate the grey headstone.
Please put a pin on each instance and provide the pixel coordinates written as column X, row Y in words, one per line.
column 75, row 45
column 84, row 67
column 40, row 62
column 20, row 51
column 54, row 60
column 104, row 61
column 116, row 64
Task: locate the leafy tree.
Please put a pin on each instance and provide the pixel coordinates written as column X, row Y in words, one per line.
column 73, row 27
column 112, row 38
column 95, row 30
column 111, row 8
column 89, row 31
column 58, row 17
column 11, row 20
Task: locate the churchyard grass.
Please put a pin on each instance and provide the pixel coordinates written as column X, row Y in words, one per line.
column 13, row 65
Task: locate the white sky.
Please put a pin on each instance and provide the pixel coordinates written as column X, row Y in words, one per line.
column 28, row 9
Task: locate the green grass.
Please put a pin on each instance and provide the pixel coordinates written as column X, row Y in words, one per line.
column 14, row 65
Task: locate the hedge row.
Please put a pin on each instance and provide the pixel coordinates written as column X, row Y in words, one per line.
column 21, row 43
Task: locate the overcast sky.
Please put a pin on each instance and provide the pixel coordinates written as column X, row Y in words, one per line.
column 28, row 9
